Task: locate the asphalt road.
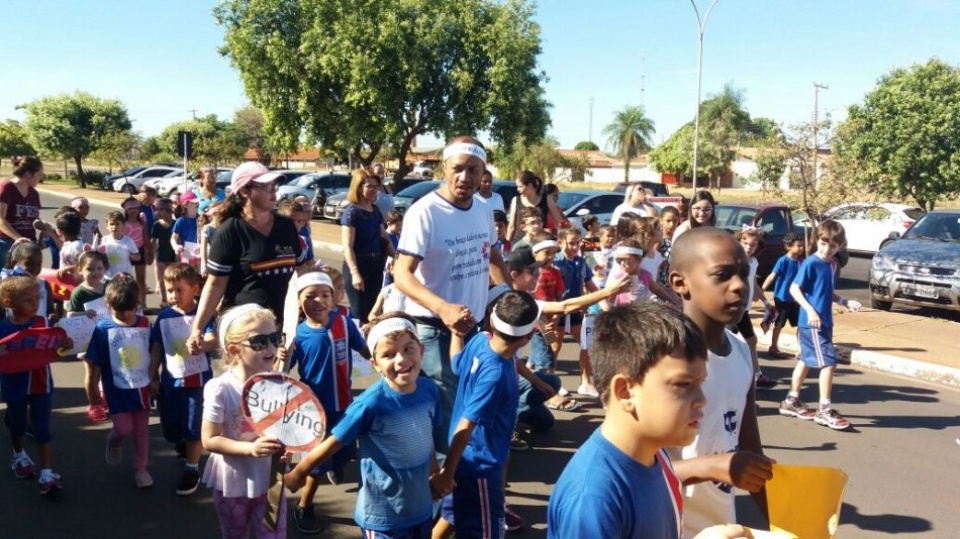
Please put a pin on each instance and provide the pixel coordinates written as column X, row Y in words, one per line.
column 901, row 457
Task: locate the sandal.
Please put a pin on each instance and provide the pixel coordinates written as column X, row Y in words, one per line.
column 775, row 353
column 567, row 405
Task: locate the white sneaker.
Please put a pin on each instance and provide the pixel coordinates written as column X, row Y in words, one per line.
column 586, row 390
column 143, row 479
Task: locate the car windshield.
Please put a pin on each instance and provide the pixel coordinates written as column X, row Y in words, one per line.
column 939, row 227
column 306, row 180
column 734, row 216
column 225, row 176
column 418, row 190
column 569, row 200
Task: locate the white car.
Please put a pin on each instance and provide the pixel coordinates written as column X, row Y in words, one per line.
column 131, row 184
column 868, row 225
column 171, row 185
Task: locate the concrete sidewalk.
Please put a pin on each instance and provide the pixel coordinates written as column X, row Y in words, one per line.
column 918, row 347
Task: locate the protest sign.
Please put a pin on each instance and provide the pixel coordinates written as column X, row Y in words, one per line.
column 30, row 349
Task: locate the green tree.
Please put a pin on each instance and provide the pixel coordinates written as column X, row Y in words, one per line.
column 14, row 140
column 904, row 140
column 675, row 156
column 214, row 141
column 249, row 124
column 629, row 135
column 355, row 75
column 74, row 125
column 118, row 148
column 586, row 146
column 541, row 158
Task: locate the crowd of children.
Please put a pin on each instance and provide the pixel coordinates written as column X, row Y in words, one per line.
column 652, row 318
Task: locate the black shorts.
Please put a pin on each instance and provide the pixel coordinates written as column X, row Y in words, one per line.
column 576, row 319
column 143, row 258
column 745, row 326
column 787, row 311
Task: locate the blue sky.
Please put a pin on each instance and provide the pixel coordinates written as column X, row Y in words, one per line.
column 160, row 57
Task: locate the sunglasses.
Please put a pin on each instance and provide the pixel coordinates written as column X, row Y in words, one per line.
column 266, row 187
column 258, row 342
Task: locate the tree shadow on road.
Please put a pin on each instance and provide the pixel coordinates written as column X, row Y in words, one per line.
column 885, row 524
column 866, row 393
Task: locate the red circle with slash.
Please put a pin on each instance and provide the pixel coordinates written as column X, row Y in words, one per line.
column 277, row 405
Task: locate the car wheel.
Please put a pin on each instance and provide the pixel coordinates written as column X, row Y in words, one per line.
column 129, row 189
column 880, row 305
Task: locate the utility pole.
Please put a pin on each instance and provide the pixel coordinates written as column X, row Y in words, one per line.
column 816, row 127
column 590, row 128
column 193, row 112
column 701, row 26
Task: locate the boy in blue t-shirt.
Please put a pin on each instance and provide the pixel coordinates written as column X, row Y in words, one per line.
column 483, row 418
column 321, row 353
column 649, row 365
column 396, row 421
column 813, row 290
column 782, row 276
column 180, row 383
column 577, row 277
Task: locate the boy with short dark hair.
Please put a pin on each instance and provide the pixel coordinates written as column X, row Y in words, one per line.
column 577, row 277
column 782, row 276
column 813, row 290
column 179, row 385
column 484, row 415
column 501, row 223
column 531, row 223
column 649, row 365
column 710, row 272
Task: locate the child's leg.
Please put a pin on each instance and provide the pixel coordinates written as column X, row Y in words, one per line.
column 826, row 384
column 478, row 507
column 586, row 341
column 159, row 268
column 91, row 384
column 260, row 510
column 41, row 408
column 17, row 414
column 193, row 418
column 141, row 273
column 309, row 491
column 442, row 529
column 796, row 380
column 234, row 514
column 533, row 409
column 775, row 338
column 141, row 438
column 122, row 428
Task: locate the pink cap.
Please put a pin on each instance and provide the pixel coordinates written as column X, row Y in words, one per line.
column 252, row 171
column 189, row 196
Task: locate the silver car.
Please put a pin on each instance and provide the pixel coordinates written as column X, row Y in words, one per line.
column 920, row 268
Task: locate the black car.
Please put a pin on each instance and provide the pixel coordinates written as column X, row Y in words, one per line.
column 405, row 198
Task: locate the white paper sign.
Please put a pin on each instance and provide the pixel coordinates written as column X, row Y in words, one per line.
column 80, row 329
column 360, row 367
column 191, row 253
column 277, row 405
column 180, row 364
column 129, row 356
column 100, row 306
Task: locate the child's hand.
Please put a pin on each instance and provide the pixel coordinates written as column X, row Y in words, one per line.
column 91, row 313
column 725, row 531
column 620, row 284
column 67, row 342
column 265, row 446
column 748, row 470
column 441, row 485
column 155, row 387
column 544, row 388
column 283, row 354
column 294, row 480
column 854, row 306
column 813, row 318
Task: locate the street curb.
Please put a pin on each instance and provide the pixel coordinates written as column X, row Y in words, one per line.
column 886, row 363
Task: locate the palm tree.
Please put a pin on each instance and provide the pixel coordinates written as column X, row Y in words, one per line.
column 629, row 134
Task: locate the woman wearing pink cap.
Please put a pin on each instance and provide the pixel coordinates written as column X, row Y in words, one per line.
column 254, row 252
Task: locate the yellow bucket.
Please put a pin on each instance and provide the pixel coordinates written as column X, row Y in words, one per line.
column 804, row 501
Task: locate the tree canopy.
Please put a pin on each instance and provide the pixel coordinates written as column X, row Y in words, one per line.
column 74, row 125
column 586, row 146
column 355, row 75
column 629, row 134
column 675, row 156
column 904, row 140
column 214, row 141
column 14, row 140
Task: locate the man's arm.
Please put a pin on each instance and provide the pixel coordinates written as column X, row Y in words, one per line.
column 456, row 317
column 498, row 269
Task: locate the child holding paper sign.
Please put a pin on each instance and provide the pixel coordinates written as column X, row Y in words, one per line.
column 180, row 384
column 91, row 266
column 322, row 355
column 238, row 471
column 184, row 238
column 33, row 389
column 401, row 413
column 119, row 353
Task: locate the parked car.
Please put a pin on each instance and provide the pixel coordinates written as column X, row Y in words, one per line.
column 423, row 169
column 921, row 267
column 222, row 181
column 131, row 184
column 317, row 186
column 333, row 205
column 576, row 205
column 658, row 194
column 170, row 185
column 653, row 189
column 868, row 225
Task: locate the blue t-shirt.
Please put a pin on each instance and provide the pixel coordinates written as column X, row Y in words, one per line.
column 786, row 270
column 604, row 493
column 305, row 233
column 167, row 379
column 576, row 272
column 322, row 357
column 123, row 355
column 147, row 212
column 367, row 226
column 815, row 279
column 54, row 252
column 487, row 395
column 17, row 386
column 206, row 202
column 186, row 227
column 396, row 433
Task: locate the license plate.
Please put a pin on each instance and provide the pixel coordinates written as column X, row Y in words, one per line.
column 922, row 291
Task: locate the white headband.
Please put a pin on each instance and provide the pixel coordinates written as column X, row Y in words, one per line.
column 624, row 251
column 313, row 278
column 545, row 244
column 458, row 148
column 507, row 329
column 386, row 327
column 231, row 316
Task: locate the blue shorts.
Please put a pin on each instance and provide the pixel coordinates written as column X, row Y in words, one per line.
column 816, row 347
column 40, row 409
column 423, row 530
column 476, row 507
column 181, row 411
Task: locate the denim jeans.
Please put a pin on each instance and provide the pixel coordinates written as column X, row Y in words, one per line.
column 436, row 365
column 533, row 410
column 541, row 356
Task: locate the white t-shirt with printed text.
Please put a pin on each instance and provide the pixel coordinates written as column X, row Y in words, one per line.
column 118, row 254
column 453, row 245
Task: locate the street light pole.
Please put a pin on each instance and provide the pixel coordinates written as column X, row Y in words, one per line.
column 701, row 26
column 816, row 94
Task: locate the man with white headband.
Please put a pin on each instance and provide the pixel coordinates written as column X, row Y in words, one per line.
column 445, row 261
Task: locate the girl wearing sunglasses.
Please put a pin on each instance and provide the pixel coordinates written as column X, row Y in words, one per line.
column 238, row 470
